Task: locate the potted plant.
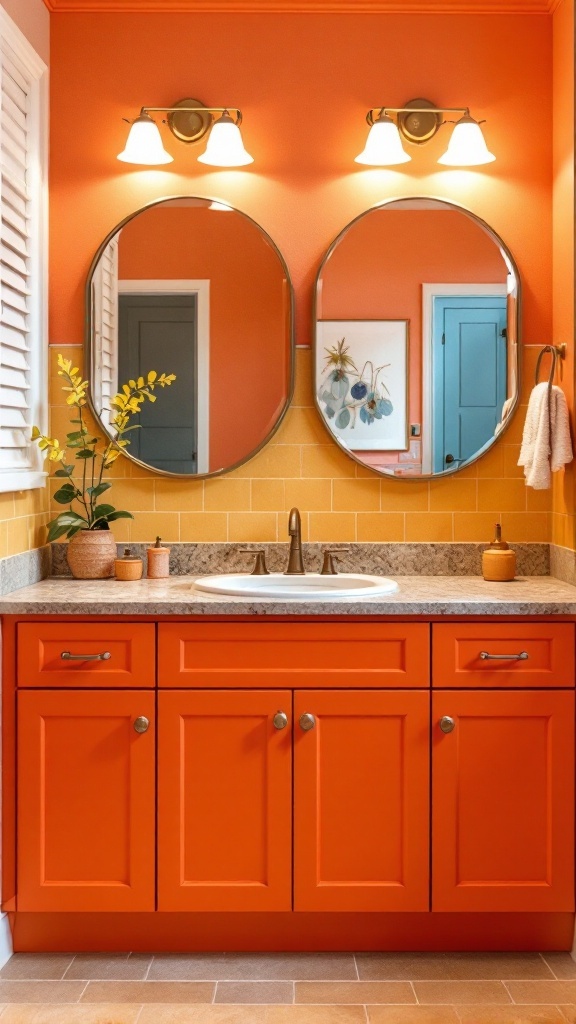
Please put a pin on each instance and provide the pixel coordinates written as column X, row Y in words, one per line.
column 92, row 548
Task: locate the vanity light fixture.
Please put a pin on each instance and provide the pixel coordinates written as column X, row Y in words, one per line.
column 418, row 122
column 189, row 121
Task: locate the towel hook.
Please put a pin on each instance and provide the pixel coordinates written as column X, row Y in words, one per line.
column 557, row 352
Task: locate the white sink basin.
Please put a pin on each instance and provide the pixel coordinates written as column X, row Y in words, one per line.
column 312, row 585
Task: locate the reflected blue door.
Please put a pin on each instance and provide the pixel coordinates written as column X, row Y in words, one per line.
column 469, row 375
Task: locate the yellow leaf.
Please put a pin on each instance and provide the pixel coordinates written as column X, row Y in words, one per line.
column 140, row 383
column 152, row 376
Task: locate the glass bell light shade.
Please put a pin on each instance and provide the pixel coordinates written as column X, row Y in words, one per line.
column 225, row 147
column 383, row 145
column 467, row 146
column 144, row 144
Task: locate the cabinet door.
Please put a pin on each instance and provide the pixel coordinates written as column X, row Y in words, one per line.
column 503, row 801
column 224, row 800
column 86, row 801
column 361, row 800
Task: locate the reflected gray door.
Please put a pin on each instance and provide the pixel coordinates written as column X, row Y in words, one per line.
column 160, row 332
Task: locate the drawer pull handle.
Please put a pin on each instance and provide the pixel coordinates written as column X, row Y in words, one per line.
column 484, row 656
column 66, row 656
column 280, row 720
column 447, row 724
column 307, row 722
column 141, row 724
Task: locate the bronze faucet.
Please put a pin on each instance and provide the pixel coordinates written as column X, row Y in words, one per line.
column 295, row 563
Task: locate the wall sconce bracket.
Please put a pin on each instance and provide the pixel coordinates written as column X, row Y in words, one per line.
column 419, row 127
column 189, row 125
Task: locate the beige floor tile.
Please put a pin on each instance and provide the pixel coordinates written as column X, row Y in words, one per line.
column 561, row 964
column 315, row 1015
column 66, row 1014
column 252, row 1014
column 254, row 992
column 36, row 966
column 510, row 1015
column 465, row 991
column 110, row 966
column 412, row 1015
column 551, row 992
column 147, row 992
column 41, row 991
column 354, row 992
column 450, row 966
column 569, row 1013
column 254, row 967
column 171, row 1014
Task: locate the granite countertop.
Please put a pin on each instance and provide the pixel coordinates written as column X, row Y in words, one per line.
column 417, row 595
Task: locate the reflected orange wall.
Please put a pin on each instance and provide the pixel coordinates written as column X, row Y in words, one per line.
column 304, row 83
column 377, row 272
column 246, row 313
column 564, row 508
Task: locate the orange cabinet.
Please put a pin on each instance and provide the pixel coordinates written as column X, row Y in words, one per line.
column 361, row 800
column 295, row 654
column 503, row 801
column 518, row 655
column 225, row 800
column 86, row 654
column 86, row 800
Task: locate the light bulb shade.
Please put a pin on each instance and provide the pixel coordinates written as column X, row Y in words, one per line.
column 467, row 146
column 144, row 144
column 383, row 145
column 225, row 147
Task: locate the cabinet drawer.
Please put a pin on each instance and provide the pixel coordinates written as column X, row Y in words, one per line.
column 457, row 650
column 315, row 654
column 131, row 647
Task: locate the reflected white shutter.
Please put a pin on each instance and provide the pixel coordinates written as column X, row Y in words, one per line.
column 105, row 305
column 22, row 267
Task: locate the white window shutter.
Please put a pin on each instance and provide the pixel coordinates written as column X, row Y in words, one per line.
column 105, row 319
column 22, row 258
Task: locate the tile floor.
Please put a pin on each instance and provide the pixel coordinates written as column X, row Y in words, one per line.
column 297, row 988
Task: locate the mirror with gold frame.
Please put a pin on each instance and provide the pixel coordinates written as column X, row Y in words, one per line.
column 192, row 286
column 416, row 320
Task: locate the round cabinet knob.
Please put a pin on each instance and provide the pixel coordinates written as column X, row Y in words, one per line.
column 447, row 724
column 307, row 722
column 141, row 724
column 280, row 720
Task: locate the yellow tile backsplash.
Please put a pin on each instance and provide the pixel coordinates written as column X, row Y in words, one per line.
column 340, row 501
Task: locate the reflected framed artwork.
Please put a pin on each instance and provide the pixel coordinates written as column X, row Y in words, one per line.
column 362, row 375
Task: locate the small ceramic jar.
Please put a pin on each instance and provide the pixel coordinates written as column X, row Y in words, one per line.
column 129, row 567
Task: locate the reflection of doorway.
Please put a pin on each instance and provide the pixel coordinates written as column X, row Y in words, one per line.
column 464, row 371
column 163, row 326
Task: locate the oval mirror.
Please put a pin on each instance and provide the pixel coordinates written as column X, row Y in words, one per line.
column 416, row 337
column 195, row 288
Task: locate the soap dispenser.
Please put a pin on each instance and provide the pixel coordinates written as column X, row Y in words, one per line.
column 498, row 561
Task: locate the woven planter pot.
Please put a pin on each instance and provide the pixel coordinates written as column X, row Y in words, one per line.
column 91, row 554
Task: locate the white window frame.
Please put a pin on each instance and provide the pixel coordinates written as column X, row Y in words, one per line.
column 34, row 68
column 429, row 293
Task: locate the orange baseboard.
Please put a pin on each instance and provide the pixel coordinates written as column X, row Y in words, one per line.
column 164, row 932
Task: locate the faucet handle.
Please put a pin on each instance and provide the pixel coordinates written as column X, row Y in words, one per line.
column 328, row 567
column 260, row 563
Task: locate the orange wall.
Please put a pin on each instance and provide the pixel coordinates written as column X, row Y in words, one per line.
column 564, row 509
column 247, row 322
column 304, row 83
column 378, row 270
